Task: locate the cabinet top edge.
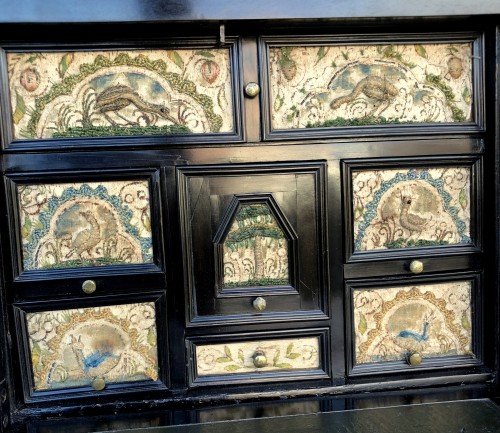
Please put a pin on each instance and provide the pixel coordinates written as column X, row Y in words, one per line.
column 95, row 11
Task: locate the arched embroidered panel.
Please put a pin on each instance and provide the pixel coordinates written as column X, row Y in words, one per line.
column 434, row 320
column 414, row 207
column 75, row 347
column 120, row 93
column 79, row 224
column 338, row 85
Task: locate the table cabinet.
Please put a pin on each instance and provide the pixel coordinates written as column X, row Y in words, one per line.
column 244, row 211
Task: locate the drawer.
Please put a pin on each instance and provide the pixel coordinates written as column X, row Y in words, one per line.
column 183, row 91
column 330, row 86
column 398, row 208
column 98, row 348
column 227, row 358
column 415, row 325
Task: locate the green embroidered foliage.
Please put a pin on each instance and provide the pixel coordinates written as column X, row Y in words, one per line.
column 111, row 131
column 405, row 243
column 20, row 109
column 232, row 367
column 176, row 58
column 361, row 121
column 362, row 325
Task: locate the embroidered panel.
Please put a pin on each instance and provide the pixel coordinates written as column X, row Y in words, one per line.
column 120, row 93
column 85, row 224
column 71, row 348
column 353, row 85
column 255, row 249
column 404, row 208
column 432, row 319
column 231, row 358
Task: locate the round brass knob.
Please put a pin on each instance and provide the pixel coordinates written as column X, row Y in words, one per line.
column 98, row 383
column 252, row 89
column 416, row 266
column 259, row 304
column 414, row 359
column 259, row 359
column 89, row 286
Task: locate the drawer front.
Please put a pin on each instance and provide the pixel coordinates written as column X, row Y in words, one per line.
column 325, row 86
column 241, row 358
column 414, row 325
column 138, row 91
column 81, row 349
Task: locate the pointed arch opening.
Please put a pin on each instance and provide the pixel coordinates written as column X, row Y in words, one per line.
column 254, row 246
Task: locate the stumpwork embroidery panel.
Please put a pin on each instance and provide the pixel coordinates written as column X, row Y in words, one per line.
column 255, row 249
column 70, row 348
column 85, row 224
column 353, row 85
column 432, row 319
column 404, row 208
column 120, row 93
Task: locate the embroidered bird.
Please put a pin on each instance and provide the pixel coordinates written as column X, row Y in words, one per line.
column 408, row 220
column 95, row 359
column 88, row 238
column 413, row 341
column 99, row 362
column 423, row 336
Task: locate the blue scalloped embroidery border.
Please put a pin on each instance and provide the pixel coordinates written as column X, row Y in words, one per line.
column 438, row 184
column 53, row 203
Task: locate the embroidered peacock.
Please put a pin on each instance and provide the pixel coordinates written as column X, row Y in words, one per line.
column 99, row 361
column 414, row 341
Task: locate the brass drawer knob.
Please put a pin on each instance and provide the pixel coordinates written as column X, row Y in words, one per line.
column 416, row 266
column 259, row 304
column 252, row 89
column 414, row 359
column 259, row 359
column 89, row 286
column 98, row 383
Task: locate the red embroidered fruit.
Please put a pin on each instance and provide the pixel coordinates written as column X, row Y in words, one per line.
column 210, row 71
column 30, row 79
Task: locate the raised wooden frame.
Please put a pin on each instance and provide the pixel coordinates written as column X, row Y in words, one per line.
column 237, row 135
column 477, row 124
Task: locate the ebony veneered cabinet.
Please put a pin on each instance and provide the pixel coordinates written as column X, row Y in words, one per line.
column 199, row 212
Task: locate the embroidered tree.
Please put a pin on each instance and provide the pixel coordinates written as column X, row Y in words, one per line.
column 253, row 225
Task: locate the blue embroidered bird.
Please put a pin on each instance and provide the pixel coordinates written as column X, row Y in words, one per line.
column 413, row 341
column 100, row 361
column 414, row 335
column 95, row 359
